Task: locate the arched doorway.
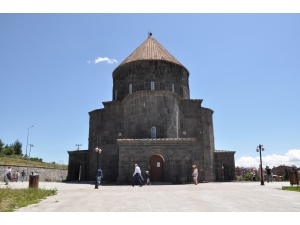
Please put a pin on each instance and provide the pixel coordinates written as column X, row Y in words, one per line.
column 156, row 168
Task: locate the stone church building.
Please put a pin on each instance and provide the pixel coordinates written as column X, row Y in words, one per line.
column 151, row 121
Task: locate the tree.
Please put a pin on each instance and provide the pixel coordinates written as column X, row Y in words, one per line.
column 248, row 176
column 1, row 145
column 286, row 175
column 8, row 150
column 17, row 147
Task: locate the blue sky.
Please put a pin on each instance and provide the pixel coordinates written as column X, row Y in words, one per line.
column 245, row 67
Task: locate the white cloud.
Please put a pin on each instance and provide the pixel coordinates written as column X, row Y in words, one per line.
column 292, row 157
column 88, row 62
column 105, row 59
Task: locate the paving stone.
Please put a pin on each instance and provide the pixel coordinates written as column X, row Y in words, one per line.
column 208, row 197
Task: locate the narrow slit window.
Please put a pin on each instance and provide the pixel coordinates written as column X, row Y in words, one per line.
column 130, row 88
column 152, row 86
column 153, row 132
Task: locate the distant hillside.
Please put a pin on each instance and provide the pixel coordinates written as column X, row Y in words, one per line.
column 18, row 161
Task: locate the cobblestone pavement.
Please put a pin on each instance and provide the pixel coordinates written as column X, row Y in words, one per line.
column 204, row 197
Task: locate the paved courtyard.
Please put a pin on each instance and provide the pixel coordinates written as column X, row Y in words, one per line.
column 204, row 197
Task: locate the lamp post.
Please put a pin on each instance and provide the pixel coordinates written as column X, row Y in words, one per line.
column 27, row 137
column 259, row 149
column 28, row 159
column 97, row 149
column 78, row 146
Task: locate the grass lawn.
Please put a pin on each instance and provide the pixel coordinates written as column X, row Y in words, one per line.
column 11, row 199
column 291, row 188
column 19, row 161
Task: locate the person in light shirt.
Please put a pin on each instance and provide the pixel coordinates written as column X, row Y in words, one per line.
column 137, row 175
column 254, row 176
column 195, row 174
column 7, row 175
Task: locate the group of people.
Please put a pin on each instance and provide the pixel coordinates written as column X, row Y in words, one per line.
column 9, row 176
column 261, row 174
column 137, row 177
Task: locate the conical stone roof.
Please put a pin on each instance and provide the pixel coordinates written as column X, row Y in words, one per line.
column 150, row 49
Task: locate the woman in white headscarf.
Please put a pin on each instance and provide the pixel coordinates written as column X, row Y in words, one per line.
column 195, row 174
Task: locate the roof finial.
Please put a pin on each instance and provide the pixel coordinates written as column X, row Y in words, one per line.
column 149, row 34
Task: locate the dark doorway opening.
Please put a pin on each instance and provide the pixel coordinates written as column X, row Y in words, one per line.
column 225, row 172
column 77, row 171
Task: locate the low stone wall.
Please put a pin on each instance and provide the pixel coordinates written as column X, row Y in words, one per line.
column 45, row 174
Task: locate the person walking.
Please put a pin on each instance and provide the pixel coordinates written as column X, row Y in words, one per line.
column 137, row 175
column 4, row 177
column 269, row 174
column 23, row 175
column 195, row 174
column 7, row 175
column 253, row 176
column 148, row 178
column 99, row 176
column 17, row 175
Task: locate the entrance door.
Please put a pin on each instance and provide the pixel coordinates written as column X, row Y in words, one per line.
column 156, row 168
column 226, row 172
column 77, row 171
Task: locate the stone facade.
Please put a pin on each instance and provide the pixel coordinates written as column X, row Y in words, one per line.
column 177, row 154
column 165, row 75
column 151, row 121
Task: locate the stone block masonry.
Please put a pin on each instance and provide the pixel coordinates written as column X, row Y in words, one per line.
column 44, row 173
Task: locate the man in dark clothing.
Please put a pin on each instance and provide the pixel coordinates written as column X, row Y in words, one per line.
column 99, row 176
column 23, row 175
column 269, row 174
column 137, row 175
column 253, row 176
column 148, row 178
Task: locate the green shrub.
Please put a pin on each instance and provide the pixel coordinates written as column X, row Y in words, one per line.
column 248, row 176
column 286, row 175
column 36, row 159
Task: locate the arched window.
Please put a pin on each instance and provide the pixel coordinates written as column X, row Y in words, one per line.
column 116, row 95
column 153, row 132
column 173, row 88
column 152, row 86
column 130, row 88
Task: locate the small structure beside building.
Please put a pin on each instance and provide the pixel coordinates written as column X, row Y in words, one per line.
column 280, row 170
